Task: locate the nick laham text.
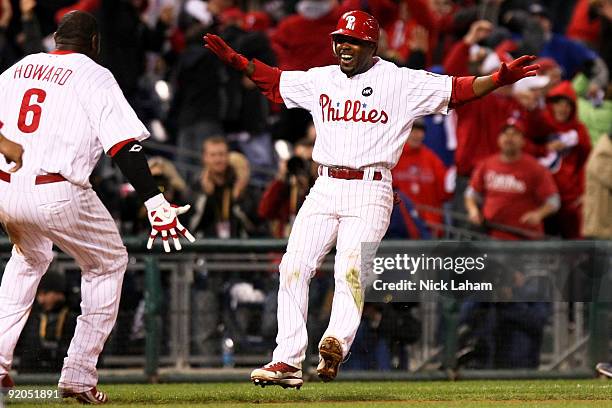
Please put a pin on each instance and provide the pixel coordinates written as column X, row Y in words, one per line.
column 431, row 285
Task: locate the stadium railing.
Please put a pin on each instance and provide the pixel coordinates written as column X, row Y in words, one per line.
column 158, row 332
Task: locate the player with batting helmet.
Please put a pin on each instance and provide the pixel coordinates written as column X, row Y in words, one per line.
column 363, row 109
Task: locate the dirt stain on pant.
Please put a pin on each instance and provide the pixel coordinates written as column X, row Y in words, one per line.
column 354, row 282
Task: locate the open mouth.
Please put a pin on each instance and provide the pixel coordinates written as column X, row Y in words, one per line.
column 346, row 59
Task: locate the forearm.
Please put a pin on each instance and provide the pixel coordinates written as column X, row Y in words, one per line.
column 599, row 73
column 471, row 203
column 130, row 159
column 483, row 85
column 551, row 206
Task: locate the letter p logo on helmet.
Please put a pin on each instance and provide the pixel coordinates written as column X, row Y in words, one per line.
column 358, row 24
column 350, row 23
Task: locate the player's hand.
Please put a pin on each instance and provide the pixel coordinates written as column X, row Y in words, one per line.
column 6, row 12
column 555, row 146
column 419, row 39
column 474, row 216
column 517, row 69
column 163, row 217
column 225, row 52
column 479, row 30
column 531, row 218
column 13, row 153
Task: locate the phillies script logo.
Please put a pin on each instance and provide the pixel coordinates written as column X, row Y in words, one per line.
column 353, row 111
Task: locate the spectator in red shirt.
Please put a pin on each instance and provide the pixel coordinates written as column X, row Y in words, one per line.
column 511, row 189
column 567, row 144
column 585, row 25
column 301, row 40
column 478, row 123
column 420, row 174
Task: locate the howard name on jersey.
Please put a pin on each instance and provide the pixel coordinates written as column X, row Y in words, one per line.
column 65, row 110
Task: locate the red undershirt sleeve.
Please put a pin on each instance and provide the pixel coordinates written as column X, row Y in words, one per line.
column 115, row 149
column 267, row 79
column 463, row 91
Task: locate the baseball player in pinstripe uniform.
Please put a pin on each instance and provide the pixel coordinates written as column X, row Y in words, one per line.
column 363, row 110
column 65, row 110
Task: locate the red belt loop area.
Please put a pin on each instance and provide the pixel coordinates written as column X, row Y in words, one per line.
column 41, row 179
column 348, row 174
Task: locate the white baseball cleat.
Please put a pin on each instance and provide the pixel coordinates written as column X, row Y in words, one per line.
column 93, row 396
column 605, row 369
column 278, row 373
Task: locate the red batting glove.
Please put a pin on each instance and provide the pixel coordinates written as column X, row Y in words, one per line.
column 509, row 74
column 225, row 52
column 163, row 217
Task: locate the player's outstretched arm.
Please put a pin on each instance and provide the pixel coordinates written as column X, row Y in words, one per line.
column 12, row 152
column 163, row 216
column 266, row 78
column 466, row 89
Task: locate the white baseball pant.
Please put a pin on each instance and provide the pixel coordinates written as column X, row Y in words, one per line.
column 349, row 212
column 74, row 218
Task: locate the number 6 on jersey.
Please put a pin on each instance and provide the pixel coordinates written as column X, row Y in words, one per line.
column 30, row 103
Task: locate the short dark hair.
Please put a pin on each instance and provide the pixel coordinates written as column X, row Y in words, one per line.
column 76, row 28
column 214, row 140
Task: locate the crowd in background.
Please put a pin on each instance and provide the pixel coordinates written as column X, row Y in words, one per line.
column 529, row 161
column 246, row 164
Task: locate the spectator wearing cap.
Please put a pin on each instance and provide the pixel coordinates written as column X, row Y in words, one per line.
column 572, row 56
column 421, row 176
column 45, row 339
column 598, row 194
column 247, row 109
column 511, row 189
column 550, row 69
column 564, row 148
column 478, row 125
column 257, row 21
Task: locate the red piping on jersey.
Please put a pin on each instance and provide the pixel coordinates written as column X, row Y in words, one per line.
column 463, row 91
column 62, row 52
column 115, row 149
column 267, row 80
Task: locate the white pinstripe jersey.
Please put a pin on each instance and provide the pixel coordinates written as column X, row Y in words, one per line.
column 65, row 110
column 364, row 120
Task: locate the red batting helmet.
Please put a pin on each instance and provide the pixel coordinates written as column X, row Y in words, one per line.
column 358, row 24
